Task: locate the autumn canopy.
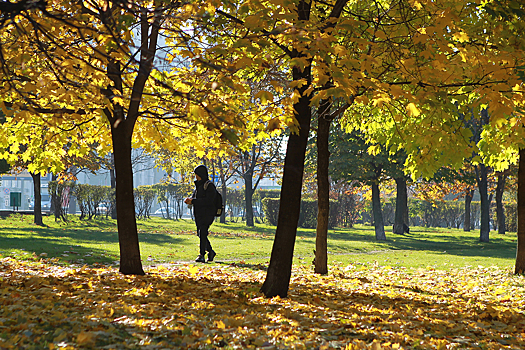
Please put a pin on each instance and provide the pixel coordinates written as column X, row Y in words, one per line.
column 108, row 76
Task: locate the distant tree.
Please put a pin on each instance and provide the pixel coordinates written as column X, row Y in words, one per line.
column 223, row 167
column 351, row 160
column 261, row 160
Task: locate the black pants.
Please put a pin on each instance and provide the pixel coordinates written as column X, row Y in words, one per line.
column 203, row 225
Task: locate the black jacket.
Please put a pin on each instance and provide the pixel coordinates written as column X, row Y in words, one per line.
column 203, row 200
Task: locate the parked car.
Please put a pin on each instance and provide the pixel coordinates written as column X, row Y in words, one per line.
column 102, row 208
column 46, row 205
column 162, row 211
column 255, row 212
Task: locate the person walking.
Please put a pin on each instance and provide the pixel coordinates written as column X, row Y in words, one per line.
column 203, row 202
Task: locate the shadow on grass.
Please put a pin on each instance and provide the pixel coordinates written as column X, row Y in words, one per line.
column 74, row 242
column 359, row 239
column 55, row 249
column 432, row 240
column 255, row 267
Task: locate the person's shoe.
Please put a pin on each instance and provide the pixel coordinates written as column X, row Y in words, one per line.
column 200, row 258
column 211, row 255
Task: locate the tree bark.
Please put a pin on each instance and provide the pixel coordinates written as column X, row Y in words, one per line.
column 520, row 251
column 500, row 210
column 323, row 191
column 37, row 210
column 401, row 206
column 224, row 193
column 130, row 263
column 113, row 182
column 468, row 201
column 378, row 215
column 53, row 198
column 248, row 197
column 481, row 176
column 122, row 125
column 280, row 269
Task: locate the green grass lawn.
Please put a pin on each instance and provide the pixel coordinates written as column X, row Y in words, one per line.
column 164, row 241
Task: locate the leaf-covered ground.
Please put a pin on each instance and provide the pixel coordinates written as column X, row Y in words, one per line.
column 46, row 306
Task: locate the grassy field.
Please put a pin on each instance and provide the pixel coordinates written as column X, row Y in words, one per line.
column 165, row 241
column 431, row 289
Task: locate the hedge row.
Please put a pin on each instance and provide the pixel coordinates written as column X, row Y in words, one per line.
column 308, row 212
column 421, row 213
column 92, row 200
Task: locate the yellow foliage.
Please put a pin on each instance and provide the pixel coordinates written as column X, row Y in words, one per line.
column 412, row 110
column 206, row 306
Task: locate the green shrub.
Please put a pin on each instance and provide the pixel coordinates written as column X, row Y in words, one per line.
column 234, row 203
column 144, row 196
column 60, row 192
column 89, row 198
column 511, row 216
column 271, row 210
column 172, row 194
column 307, row 216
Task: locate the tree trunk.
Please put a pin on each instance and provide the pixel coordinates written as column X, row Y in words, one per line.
column 248, row 197
column 500, row 211
column 401, row 206
column 468, row 201
column 72, row 203
column 223, row 214
column 481, row 175
column 378, row 215
column 113, row 182
column 53, row 198
column 280, row 269
column 323, row 192
column 520, row 251
column 38, row 199
column 130, row 263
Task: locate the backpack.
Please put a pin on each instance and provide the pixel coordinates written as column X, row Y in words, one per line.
column 219, row 205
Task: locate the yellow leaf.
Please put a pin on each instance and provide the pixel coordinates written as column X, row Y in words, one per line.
column 412, row 110
column 86, row 338
column 193, row 270
column 265, row 96
column 374, row 150
column 197, row 111
column 376, row 345
column 461, row 36
column 252, row 22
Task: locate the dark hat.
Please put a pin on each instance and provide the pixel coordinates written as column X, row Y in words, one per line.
column 202, row 171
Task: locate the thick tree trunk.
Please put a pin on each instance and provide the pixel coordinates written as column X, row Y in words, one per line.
column 280, row 269
column 378, row 215
column 130, row 263
column 401, row 206
column 520, row 251
column 500, row 210
column 323, row 193
column 38, row 199
column 248, row 197
column 113, row 182
column 468, row 201
column 406, row 218
column 481, row 175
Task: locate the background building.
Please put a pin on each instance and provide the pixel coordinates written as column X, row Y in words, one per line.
column 144, row 173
